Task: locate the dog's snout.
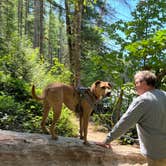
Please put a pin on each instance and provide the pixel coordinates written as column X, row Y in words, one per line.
column 108, row 94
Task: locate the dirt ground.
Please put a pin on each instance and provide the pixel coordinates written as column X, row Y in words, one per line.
column 98, row 134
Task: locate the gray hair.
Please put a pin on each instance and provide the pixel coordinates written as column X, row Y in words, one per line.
column 147, row 76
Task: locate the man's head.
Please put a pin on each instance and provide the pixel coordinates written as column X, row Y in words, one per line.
column 144, row 81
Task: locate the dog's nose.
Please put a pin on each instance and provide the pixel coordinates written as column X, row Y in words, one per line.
column 108, row 94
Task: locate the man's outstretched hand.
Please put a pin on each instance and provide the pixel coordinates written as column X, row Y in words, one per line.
column 102, row 144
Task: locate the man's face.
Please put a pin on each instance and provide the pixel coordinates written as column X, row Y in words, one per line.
column 140, row 85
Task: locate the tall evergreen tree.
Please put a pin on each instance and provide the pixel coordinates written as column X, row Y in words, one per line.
column 20, row 17
column 73, row 23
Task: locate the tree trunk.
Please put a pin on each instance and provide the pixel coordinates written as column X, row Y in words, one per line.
column 1, row 18
column 41, row 26
column 60, row 38
column 26, row 17
column 36, row 23
column 77, row 49
column 20, row 17
column 73, row 24
column 49, row 38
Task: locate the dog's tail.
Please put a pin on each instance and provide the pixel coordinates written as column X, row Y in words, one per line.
column 34, row 94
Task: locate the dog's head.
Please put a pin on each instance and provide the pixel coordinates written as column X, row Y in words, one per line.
column 101, row 89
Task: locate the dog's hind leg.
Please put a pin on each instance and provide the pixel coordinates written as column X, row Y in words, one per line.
column 56, row 115
column 44, row 117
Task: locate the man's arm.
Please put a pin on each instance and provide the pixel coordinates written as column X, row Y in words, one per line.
column 128, row 120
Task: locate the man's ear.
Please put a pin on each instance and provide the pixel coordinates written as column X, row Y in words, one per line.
column 97, row 82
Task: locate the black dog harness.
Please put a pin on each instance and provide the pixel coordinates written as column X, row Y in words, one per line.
column 85, row 93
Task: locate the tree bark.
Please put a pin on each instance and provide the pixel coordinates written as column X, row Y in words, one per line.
column 20, row 17
column 49, row 38
column 73, row 24
column 41, row 26
column 26, row 17
column 36, row 23
column 60, row 38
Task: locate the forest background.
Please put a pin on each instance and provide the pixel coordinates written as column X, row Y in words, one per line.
column 76, row 42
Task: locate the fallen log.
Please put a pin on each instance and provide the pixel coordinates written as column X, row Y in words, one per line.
column 25, row 149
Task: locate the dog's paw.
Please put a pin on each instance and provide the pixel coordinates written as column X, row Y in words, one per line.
column 86, row 143
column 55, row 137
column 45, row 131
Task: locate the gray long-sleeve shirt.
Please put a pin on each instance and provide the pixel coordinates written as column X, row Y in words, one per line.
column 148, row 112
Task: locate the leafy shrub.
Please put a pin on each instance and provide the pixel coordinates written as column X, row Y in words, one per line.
column 21, row 66
column 14, row 116
column 129, row 137
column 42, row 74
column 103, row 119
column 9, row 111
column 66, row 125
column 19, row 112
column 16, row 88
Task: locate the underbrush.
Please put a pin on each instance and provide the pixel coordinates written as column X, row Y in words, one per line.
column 19, row 112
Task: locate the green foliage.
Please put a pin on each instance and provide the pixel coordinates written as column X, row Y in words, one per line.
column 130, row 137
column 16, row 105
column 66, row 125
column 16, row 88
column 19, row 112
column 103, row 119
column 8, row 113
column 15, row 62
column 41, row 75
column 152, row 49
column 13, row 114
column 20, row 67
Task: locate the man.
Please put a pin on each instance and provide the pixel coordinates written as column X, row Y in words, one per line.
column 148, row 112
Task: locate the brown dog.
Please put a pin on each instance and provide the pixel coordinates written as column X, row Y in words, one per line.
column 78, row 100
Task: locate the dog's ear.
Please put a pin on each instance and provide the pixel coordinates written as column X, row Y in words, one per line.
column 97, row 82
column 109, row 84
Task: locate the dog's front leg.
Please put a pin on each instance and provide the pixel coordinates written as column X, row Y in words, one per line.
column 81, row 125
column 85, row 132
column 85, row 126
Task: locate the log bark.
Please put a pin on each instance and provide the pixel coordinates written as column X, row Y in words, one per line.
column 24, row 149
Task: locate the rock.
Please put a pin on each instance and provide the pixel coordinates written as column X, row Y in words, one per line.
column 24, row 149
